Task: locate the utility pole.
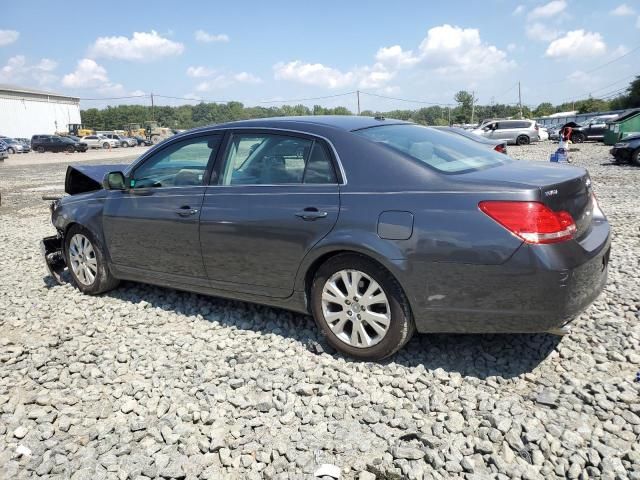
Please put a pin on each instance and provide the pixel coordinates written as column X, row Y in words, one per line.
column 519, row 99
column 152, row 113
column 473, row 104
column 449, row 112
column 358, row 95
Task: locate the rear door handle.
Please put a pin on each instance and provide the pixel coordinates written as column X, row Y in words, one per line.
column 186, row 211
column 310, row 214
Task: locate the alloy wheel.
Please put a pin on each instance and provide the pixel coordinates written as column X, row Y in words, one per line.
column 83, row 260
column 356, row 308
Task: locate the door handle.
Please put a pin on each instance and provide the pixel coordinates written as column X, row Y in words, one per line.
column 186, row 211
column 310, row 214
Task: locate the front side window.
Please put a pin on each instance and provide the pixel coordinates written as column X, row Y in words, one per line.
column 269, row 159
column 180, row 164
column 438, row 150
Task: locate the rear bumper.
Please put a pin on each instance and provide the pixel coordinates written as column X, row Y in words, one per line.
column 539, row 289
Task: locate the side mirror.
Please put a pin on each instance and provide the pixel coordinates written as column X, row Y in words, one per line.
column 114, row 181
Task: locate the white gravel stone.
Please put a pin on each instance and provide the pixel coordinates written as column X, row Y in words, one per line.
column 145, row 382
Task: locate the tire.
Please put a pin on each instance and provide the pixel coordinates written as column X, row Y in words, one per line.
column 395, row 307
column 40, row 149
column 105, row 145
column 635, row 157
column 70, row 149
column 523, row 140
column 11, row 151
column 98, row 279
column 125, row 145
column 578, row 137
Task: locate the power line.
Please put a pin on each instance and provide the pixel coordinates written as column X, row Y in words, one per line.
column 404, row 99
column 114, row 98
column 307, row 99
column 614, row 60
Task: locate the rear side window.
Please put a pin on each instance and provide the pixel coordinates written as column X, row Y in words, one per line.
column 439, row 150
column 274, row 159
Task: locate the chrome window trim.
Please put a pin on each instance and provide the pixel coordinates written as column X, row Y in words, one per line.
column 343, row 174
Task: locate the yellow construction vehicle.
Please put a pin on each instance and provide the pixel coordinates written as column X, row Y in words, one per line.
column 134, row 130
column 79, row 130
column 155, row 133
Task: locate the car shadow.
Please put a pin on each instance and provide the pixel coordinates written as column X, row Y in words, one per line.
column 474, row 356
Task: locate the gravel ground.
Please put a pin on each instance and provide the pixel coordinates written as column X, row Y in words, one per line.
column 147, row 382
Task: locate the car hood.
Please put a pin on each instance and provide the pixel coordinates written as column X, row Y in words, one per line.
column 87, row 178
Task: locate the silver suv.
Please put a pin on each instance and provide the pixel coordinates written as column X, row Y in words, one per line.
column 520, row 132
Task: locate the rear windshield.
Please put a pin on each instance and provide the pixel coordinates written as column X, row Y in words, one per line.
column 439, row 150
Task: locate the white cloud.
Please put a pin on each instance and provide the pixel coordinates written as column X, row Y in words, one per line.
column 512, row 47
column 446, row 50
column 519, row 10
column 638, row 22
column 547, row 10
column 619, row 51
column 18, row 70
column 395, row 57
column 245, row 77
column 88, row 74
column 315, row 74
column 7, row 37
column 200, row 72
column 577, row 42
column 216, row 80
column 142, row 46
column 540, row 32
column 623, row 10
column 454, row 50
column 204, row 37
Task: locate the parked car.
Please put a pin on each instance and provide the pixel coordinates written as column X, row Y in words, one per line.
column 143, row 142
column 3, row 151
column 99, row 141
column 122, row 140
column 554, row 131
column 543, row 134
column 627, row 150
column 56, row 143
column 590, row 129
column 519, row 132
column 14, row 146
column 378, row 228
column 497, row 145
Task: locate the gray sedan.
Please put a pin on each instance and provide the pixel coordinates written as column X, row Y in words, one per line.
column 376, row 227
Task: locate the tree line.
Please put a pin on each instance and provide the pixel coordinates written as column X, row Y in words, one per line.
column 189, row 116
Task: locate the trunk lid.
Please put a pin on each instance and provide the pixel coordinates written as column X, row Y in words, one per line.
column 561, row 187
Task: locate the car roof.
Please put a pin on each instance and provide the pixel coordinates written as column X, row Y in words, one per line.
column 342, row 122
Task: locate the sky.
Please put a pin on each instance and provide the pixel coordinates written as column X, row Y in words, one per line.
column 264, row 53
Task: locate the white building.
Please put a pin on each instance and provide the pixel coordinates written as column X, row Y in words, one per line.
column 25, row 112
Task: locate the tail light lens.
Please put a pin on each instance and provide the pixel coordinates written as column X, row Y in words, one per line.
column 533, row 222
column 500, row 148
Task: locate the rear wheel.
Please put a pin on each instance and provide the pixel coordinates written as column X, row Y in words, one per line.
column 360, row 308
column 11, row 150
column 635, row 157
column 40, row 149
column 578, row 137
column 70, row 149
column 523, row 140
column 105, row 145
column 125, row 144
column 86, row 261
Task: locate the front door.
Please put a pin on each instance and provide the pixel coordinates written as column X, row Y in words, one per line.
column 151, row 228
column 277, row 196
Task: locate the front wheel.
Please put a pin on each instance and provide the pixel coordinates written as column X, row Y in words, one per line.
column 360, row 308
column 70, row 149
column 86, row 262
column 40, row 149
column 522, row 140
column 11, row 150
column 635, row 157
column 578, row 137
column 124, row 144
column 105, row 145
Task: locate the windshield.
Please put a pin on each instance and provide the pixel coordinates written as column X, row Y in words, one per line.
column 439, row 150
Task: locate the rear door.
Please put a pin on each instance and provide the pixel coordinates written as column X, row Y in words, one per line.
column 276, row 196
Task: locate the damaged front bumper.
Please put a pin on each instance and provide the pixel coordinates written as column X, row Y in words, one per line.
column 51, row 248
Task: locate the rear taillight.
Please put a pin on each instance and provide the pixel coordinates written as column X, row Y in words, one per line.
column 500, row 148
column 533, row 222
